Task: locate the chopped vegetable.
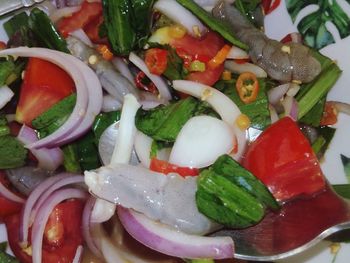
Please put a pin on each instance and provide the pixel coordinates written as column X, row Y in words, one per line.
column 41, row 91
column 166, row 168
column 228, row 198
column 247, row 86
column 12, row 152
column 165, row 122
column 156, row 60
column 213, row 23
column 219, row 57
column 282, row 158
column 45, row 31
column 144, row 83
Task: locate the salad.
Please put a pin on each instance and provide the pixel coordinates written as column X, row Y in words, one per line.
column 174, row 123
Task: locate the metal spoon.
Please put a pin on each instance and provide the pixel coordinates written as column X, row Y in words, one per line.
column 299, row 225
column 7, row 6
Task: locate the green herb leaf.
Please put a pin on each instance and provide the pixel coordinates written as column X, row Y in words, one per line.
column 12, row 152
column 257, row 111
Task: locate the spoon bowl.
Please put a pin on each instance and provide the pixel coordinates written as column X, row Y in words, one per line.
column 297, row 226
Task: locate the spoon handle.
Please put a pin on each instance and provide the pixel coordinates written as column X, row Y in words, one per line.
column 7, row 6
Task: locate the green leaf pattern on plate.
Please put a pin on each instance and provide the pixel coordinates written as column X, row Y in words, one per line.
column 346, row 163
column 313, row 26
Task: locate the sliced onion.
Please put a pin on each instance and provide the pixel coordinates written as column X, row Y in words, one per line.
column 293, row 89
column 95, row 98
column 123, row 68
column 78, row 254
column 6, row 95
column 109, row 103
column 81, row 75
column 222, row 104
column 26, row 219
column 82, row 36
column 143, row 145
column 170, row 241
column 273, row 114
column 63, row 12
column 290, row 106
column 239, row 68
column 237, row 53
column 182, row 16
column 86, row 225
column 107, row 144
column 68, row 180
column 126, row 134
column 161, row 85
column 122, row 152
column 200, row 141
column 9, row 195
column 43, row 215
column 276, row 94
column 149, row 100
column 48, row 158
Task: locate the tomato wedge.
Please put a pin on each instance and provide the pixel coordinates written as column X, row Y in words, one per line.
column 44, row 85
column 70, row 236
column 88, row 12
column 204, row 49
column 7, row 207
column 282, row 158
column 166, row 168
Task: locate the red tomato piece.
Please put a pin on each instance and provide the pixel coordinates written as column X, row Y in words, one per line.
column 270, row 5
column 166, row 167
column 44, row 85
column 203, row 49
column 71, row 212
column 156, row 60
column 282, row 158
column 92, row 30
column 7, row 207
column 87, row 13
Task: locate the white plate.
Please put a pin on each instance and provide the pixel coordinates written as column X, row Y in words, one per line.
column 278, row 24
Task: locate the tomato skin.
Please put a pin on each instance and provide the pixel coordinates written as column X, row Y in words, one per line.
column 166, row 167
column 63, row 253
column 282, row 158
column 44, row 85
column 7, row 207
column 202, row 49
column 87, row 13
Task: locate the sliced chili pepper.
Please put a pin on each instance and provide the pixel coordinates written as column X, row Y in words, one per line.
column 166, row 167
column 247, row 86
column 270, row 5
column 220, row 57
column 156, row 60
column 330, row 114
column 105, row 52
column 144, row 83
column 242, row 60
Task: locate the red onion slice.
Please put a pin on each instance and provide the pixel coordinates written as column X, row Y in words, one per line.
column 26, row 219
column 78, row 254
column 48, row 158
column 43, row 215
column 276, row 94
column 68, row 180
column 123, row 68
column 64, row 61
column 239, row 68
column 95, row 99
column 171, row 242
column 157, row 80
column 9, row 195
column 86, row 225
column 290, row 106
